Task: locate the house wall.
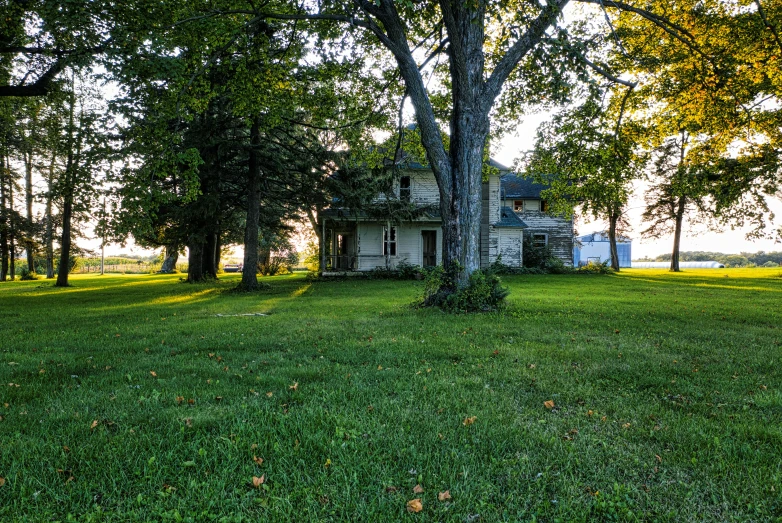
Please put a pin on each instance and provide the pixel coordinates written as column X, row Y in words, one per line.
column 409, row 245
column 558, row 230
column 509, row 245
column 490, row 213
column 423, row 187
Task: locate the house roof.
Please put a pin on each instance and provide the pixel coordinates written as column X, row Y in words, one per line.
column 515, row 186
column 602, row 236
column 406, row 161
column 508, row 218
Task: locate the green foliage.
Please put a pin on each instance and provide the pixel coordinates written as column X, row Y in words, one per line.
column 541, row 258
column 745, row 259
column 311, row 256
column 27, row 275
column 483, row 292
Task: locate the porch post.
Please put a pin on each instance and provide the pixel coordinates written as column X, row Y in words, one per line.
column 323, row 245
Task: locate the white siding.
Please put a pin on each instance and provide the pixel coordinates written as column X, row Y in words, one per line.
column 409, row 246
column 510, row 246
column 423, row 187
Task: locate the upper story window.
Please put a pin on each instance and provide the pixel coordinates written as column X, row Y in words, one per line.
column 389, row 241
column 530, row 205
column 405, row 192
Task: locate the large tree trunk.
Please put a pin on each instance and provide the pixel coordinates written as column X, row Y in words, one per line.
column 195, row 262
column 11, row 233
column 28, row 194
column 210, row 256
column 613, row 218
column 677, row 234
column 251, row 231
column 49, row 232
column 65, row 241
column 172, row 255
column 68, row 190
column 4, row 218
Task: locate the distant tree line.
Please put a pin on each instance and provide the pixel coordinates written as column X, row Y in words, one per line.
column 745, row 259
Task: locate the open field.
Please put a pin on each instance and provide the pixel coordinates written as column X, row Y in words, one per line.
column 127, row 398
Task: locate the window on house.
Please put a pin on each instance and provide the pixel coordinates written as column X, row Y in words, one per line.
column 532, row 205
column 539, row 240
column 405, row 189
column 389, row 241
column 518, row 205
column 544, row 206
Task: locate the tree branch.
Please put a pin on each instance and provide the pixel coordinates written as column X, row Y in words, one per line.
column 518, row 50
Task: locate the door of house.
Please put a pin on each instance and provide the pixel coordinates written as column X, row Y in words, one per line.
column 429, row 241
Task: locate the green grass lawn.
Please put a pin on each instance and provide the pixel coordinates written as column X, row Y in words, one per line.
column 127, row 398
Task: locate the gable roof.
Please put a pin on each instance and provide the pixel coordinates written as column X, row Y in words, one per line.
column 508, row 218
column 515, row 186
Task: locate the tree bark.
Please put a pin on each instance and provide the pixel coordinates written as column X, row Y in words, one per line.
column 677, row 234
column 210, row 256
column 613, row 218
column 67, row 208
column 251, row 231
column 49, row 232
column 172, row 255
column 12, row 230
column 195, row 262
column 28, row 193
column 4, row 217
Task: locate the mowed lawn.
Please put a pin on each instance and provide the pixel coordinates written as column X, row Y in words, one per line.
column 139, row 398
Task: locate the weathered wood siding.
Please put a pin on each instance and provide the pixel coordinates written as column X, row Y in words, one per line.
column 559, row 232
column 423, row 187
column 490, row 214
column 409, row 246
column 509, row 241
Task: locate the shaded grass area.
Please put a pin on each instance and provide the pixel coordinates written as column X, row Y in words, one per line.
column 128, row 399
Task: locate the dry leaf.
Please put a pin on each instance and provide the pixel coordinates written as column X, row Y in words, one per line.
column 415, row 505
column 659, row 459
column 391, row 489
column 2, row 481
column 153, row 373
column 189, row 422
column 328, row 463
column 418, row 489
column 179, row 400
column 589, row 413
column 66, row 448
column 603, row 418
column 257, row 482
column 295, row 386
column 94, row 424
column 191, row 401
column 269, row 394
column 218, row 398
column 257, row 460
column 626, row 426
column 379, row 367
column 444, row 496
column 254, row 446
column 469, row 421
column 549, row 404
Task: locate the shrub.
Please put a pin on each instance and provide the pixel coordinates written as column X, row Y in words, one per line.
column 482, row 293
column 26, row 275
column 595, row 268
column 311, row 256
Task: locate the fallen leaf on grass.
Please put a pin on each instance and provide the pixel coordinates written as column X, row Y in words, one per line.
column 269, row 394
column 589, row 413
column 189, row 422
column 415, row 505
column 179, row 400
column 218, row 398
column 66, row 448
column 469, row 421
column 257, row 482
column 153, row 373
column 94, row 424
column 257, row 460
column 626, row 426
column 549, row 404
column 391, row 489
column 2, row 481
column 295, row 386
column 191, row 401
column 659, row 459
column 444, row 496
column 418, row 489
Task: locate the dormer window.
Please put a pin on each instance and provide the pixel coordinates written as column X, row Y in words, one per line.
column 404, row 189
column 528, row 205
